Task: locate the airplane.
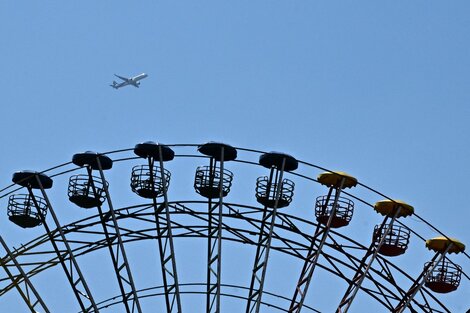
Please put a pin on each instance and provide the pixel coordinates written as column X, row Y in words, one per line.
column 134, row 81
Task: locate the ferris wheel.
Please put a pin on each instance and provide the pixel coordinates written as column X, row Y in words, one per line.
column 237, row 230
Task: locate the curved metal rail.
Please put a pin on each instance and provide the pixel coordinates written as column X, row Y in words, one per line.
column 337, row 252
column 240, row 224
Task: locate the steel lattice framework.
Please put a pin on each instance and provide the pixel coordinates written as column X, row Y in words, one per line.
column 159, row 251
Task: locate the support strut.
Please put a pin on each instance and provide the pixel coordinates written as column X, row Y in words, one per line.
column 165, row 242
column 419, row 282
column 29, row 293
column 214, row 243
column 117, row 251
column 365, row 265
column 314, row 252
column 78, row 284
column 264, row 244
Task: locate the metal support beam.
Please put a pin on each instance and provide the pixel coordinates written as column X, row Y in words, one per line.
column 264, row 244
column 165, row 243
column 78, row 284
column 364, row 266
column 189, row 221
column 118, row 253
column 419, row 282
column 214, row 241
column 313, row 253
column 109, row 244
column 29, row 293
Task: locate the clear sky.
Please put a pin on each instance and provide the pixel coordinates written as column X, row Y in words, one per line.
column 379, row 89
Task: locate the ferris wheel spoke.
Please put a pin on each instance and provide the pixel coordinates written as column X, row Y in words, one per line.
column 269, row 193
column 314, row 252
column 422, row 278
column 88, row 191
column 367, row 272
column 335, row 265
column 159, row 187
column 381, row 234
column 214, row 182
column 28, row 292
column 117, row 251
column 214, row 251
column 42, row 205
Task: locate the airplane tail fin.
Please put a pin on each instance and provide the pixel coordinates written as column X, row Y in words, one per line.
column 114, row 84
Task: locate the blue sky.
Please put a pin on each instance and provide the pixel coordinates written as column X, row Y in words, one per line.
column 378, row 89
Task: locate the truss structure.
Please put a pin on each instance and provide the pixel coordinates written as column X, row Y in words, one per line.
column 161, row 252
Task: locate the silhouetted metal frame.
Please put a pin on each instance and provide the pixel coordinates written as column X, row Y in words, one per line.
column 150, row 292
column 419, row 282
column 214, row 239
column 385, row 270
column 364, row 266
column 165, row 242
column 80, row 295
column 314, row 251
column 30, row 295
column 263, row 246
column 117, row 251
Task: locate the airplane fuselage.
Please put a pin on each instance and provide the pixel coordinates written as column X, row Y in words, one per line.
column 139, row 77
column 134, row 81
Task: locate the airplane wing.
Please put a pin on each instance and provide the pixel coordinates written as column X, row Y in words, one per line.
column 123, row 78
column 134, row 81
